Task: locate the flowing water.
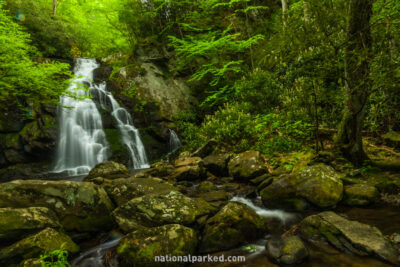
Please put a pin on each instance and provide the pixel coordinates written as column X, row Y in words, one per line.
column 130, row 134
column 174, row 142
column 82, row 142
column 95, row 256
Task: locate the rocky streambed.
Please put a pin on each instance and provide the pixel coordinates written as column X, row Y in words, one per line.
column 207, row 202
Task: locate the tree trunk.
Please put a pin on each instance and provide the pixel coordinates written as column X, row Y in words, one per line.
column 357, row 65
column 54, row 7
column 284, row 11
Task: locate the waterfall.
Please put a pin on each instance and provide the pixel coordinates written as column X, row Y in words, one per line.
column 174, row 142
column 130, row 135
column 82, row 142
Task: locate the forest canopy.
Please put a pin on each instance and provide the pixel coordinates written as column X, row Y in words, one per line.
column 266, row 59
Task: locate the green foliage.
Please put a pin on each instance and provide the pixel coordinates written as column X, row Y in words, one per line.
column 241, row 131
column 24, row 81
column 56, row 258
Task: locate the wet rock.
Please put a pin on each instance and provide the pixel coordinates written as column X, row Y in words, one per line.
column 79, row 206
column 344, row 234
column 247, row 165
column 140, row 247
column 219, row 195
column 32, row 263
column 206, row 149
column 17, row 223
column 360, row 194
column 108, row 170
column 155, row 210
column 217, row 164
column 207, row 186
column 317, row 184
column 188, row 169
column 161, row 169
column 289, row 251
column 123, row 190
column 233, row 225
column 35, row 245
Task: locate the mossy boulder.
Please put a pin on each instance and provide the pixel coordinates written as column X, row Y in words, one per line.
column 79, row 206
column 288, row 251
column 347, row 235
column 319, row 185
column 108, row 170
column 233, row 225
column 123, row 190
column 205, row 149
column 188, row 169
column 34, row 245
column 17, row 223
column 207, row 186
column 140, row 247
column 161, row 169
column 360, row 194
column 247, row 165
column 217, row 164
column 155, row 210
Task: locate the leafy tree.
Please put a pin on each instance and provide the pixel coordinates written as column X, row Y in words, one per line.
column 24, row 81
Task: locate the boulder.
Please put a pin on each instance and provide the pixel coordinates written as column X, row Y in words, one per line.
column 207, row 186
column 288, row 251
column 140, row 247
column 108, row 170
column 344, row 234
column 360, row 194
column 155, row 210
column 206, row 149
column 247, row 165
column 188, row 169
column 161, row 169
column 79, row 206
column 217, row 164
column 17, row 223
column 233, row 225
column 318, row 184
column 123, row 190
column 33, row 246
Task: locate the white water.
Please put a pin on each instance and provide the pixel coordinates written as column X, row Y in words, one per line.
column 174, row 142
column 82, row 142
column 130, row 134
column 265, row 213
column 94, row 256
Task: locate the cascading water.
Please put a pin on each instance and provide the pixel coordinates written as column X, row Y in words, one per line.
column 130, row 135
column 174, row 142
column 82, row 142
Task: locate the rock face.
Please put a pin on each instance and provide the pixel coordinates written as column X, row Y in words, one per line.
column 217, row 164
column 27, row 140
column 140, row 247
column 108, row 170
column 17, row 223
column 155, row 210
column 247, row 165
column 234, row 224
column 360, row 194
column 206, row 149
column 359, row 238
column 317, row 184
column 161, row 169
column 188, row 169
column 291, row 250
column 35, row 245
column 79, row 206
column 123, row 190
